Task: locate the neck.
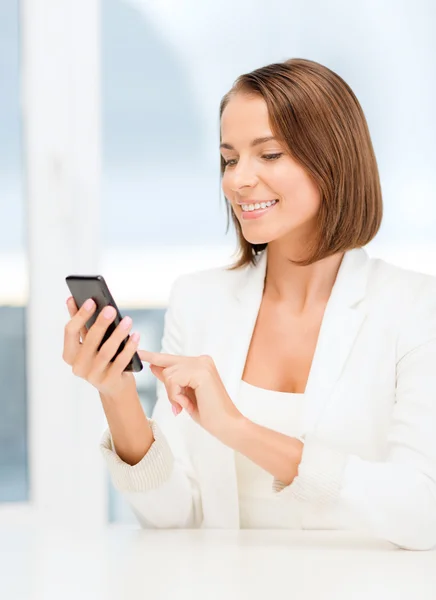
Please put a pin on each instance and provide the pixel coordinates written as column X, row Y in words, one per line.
column 301, row 289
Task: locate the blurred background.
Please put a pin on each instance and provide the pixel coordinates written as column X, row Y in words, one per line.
column 109, row 163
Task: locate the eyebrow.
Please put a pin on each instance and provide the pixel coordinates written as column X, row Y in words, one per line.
column 255, row 142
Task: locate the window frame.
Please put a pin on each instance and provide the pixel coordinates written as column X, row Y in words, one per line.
column 61, row 105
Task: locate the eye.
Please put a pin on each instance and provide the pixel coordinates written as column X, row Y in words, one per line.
column 272, row 156
column 265, row 156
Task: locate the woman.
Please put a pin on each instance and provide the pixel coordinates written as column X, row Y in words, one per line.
column 296, row 389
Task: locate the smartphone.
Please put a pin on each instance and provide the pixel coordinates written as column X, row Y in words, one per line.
column 83, row 287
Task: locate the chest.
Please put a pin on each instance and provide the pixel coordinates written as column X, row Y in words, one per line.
column 282, row 348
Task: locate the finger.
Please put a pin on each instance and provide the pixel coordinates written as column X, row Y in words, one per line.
column 72, row 330
column 159, row 359
column 185, row 403
column 115, row 369
column 177, row 407
column 171, row 377
column 90, row 355
column 157, row 371
column 102, row 362
column 72, row 309
column 174, row 405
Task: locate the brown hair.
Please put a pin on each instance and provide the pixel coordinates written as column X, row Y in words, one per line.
column 318, row 117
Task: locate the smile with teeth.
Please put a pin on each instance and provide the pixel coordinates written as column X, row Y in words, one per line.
column 257, row 206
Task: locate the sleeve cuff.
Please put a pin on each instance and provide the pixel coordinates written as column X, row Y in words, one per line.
column 150, row 473
column 320, row 473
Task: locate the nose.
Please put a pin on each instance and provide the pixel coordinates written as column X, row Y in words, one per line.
column 242, row 175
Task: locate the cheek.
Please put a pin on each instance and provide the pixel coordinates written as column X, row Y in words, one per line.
column 287, row 180
column 300, row 192
column 283, row 180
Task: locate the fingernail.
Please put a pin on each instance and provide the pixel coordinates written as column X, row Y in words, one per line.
column 126, row 322
column 108, row 312
column 174, row 410
column 89, row 304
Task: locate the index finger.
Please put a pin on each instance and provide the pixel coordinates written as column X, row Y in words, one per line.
column 73, row 310
column 159, row 358
column 72, row 306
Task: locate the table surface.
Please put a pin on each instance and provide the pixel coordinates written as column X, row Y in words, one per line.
column 127, row 563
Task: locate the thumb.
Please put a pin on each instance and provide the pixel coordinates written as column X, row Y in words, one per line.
column 157, row 371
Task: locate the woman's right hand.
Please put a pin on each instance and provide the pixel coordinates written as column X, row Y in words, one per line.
column 90, row 364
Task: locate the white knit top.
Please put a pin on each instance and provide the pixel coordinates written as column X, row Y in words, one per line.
column 281, row 411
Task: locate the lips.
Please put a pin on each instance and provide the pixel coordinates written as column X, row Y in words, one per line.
column 258, row 206
column 256, row 202
column 257, row 213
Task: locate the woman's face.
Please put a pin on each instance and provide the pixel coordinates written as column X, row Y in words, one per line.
column 262, row 173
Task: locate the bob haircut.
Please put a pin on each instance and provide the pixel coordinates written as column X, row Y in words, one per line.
column 316, row 115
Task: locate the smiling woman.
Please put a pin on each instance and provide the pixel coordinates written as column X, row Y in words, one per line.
column 295, row 387
column 314, row 156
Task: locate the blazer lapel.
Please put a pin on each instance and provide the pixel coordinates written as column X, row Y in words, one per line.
column 343, row 317
column 240, row 321
column 229, row 344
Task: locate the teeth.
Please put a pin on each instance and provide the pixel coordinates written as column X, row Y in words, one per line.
column 257, row 206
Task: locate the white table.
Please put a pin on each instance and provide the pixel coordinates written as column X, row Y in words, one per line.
column 125, row 563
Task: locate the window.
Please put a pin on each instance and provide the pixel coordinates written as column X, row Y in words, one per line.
column 13, row 289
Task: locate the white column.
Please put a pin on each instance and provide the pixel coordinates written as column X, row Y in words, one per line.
column 61, row 128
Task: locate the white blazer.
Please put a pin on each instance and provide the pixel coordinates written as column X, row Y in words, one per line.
column 369, row 457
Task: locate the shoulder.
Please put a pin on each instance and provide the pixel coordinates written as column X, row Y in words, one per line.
column 398, row 286
column 406, row 298
column 208, row 285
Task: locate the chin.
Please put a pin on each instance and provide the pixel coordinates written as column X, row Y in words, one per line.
column 259, row 239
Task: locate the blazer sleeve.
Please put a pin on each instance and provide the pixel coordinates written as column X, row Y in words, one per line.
column 394, row 499
column 161, row 489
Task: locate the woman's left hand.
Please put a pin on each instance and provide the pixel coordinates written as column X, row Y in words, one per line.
column 193, row 384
